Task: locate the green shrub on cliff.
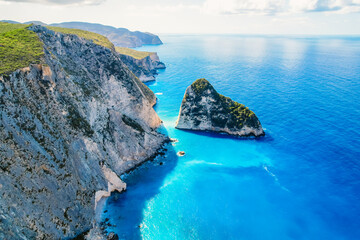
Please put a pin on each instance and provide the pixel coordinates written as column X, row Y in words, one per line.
column 78, row 122
column 201, row 85
column 6, row 27
column 132, row 53
column 132, row 123
column 96, row 38
column 19, row 47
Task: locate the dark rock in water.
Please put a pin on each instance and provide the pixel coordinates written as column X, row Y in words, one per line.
column 174, row 140
column 112, row 236
column 161, row 163
column 203, row 108
column 159, row 65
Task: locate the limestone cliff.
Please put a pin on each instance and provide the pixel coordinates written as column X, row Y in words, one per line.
column 144, row 68
column 203, row 108
column 68, row 128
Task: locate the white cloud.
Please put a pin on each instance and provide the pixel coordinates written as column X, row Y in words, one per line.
column 155, row 9
column 59, row 2
column 269, row 7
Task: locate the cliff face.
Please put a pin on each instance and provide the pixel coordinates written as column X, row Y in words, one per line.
column 121, row 37
column 68, row 128
column 146, row 68
column 203, row 108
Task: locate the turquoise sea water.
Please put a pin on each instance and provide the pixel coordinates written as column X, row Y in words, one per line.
column 301, row 181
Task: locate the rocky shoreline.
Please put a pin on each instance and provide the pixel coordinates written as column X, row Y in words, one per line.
column 73, row 124
column 99, row 232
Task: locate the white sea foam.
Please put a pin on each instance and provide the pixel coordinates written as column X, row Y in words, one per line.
column 193, row 162
column 168, row 182
column 275, row 178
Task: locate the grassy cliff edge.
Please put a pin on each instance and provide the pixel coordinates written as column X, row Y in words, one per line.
column 95, row 37
column 133, row 53
column 19, row 47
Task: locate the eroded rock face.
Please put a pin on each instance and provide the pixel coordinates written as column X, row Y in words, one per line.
column 204, row 109
column 67, row 128
column 145, row 69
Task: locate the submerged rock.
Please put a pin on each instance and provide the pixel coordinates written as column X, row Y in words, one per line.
column 203, row 108
column 174, row 140
column 112, row 236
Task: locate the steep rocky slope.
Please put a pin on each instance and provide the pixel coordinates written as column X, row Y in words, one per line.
column 145, row 68
column 68, row 128
column 203, row 108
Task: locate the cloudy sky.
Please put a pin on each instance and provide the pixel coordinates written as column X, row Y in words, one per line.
column 197, row 16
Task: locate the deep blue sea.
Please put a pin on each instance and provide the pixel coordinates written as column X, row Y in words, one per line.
column 301, row 181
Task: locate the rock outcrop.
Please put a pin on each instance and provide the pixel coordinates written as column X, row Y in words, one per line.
column 204, row 109
column 68, row 128
column 146, row 68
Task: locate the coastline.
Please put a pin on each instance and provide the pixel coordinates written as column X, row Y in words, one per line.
column 240, row 166
column 159, row 152
column 73, row 139
column 97, row 231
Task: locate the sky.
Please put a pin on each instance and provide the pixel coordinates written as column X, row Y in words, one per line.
column 303, row 17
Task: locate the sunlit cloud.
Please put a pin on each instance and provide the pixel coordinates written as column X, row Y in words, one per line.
column 59, row 2
column 272, row 7
column 197, row 16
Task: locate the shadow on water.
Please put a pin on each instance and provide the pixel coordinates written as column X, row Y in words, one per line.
column 123, row 212
column 266, row 138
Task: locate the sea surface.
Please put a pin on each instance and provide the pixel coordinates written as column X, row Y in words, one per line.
column 301, row 181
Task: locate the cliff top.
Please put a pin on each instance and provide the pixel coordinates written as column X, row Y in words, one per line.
column 120, row 37
column 133, row 53
column 6, row 27
column 201, row 85
column 19, row 47
column 95, row 37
